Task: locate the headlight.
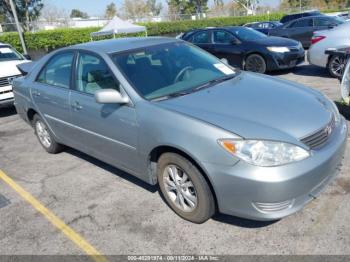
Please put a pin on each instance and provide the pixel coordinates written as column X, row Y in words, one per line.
column 335, row 111
column 264, row 153
column 278, row 49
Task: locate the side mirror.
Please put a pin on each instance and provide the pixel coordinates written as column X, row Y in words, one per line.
column 110, row 96
column 26, row 56
column 235, row 41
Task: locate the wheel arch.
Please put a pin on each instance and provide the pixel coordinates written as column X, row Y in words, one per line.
column 156, row 152
column 30, row 114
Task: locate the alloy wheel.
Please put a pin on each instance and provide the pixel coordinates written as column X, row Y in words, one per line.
column 43, row 134
column 179, row 188
column 337, row 66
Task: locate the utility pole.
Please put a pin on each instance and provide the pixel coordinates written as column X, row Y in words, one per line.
column 300, row 5
column 19, row 29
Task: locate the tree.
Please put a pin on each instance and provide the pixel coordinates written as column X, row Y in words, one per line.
column 111, row 11
column 187, row 6
column 154, row 7
column 77, row 13
column 249, row 5
column 135, row 8
column 51, row 13
column 27, row 11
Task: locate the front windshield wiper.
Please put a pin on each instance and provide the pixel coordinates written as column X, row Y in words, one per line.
column 197, row 88
column 214, row 82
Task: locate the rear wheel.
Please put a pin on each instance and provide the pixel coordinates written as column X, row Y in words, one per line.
column 45, row 136
column 255, row 63
column 184, row 188
column 336, row 66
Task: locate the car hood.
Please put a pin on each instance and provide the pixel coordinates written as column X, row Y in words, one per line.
column 257, row 107
column 8, row 68
column 276, row 41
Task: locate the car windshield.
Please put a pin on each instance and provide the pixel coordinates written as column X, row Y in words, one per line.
column 9, row 54
column 168, row 70
column 247, row 34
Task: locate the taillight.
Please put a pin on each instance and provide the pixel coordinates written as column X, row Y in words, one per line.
column 317, row 39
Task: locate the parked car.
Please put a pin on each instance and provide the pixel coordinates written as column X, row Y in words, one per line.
column 302, row 29
column 9, row 58
column 291, row 17
column 322, row 41
column 248, row 49
column 264, row 27
column 212, row 137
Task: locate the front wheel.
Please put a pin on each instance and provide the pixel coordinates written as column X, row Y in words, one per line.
column 184, row 188
column 255, row 63
column 45, row 136
column 336, row 66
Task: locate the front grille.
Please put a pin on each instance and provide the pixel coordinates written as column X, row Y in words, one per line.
column 319, row 138
column 273, row 207
column 5, row 92
column 4, row 81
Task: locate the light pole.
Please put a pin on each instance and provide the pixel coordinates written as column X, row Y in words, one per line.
column 19, row 29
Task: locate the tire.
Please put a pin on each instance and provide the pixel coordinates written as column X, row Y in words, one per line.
column 336, row 66
column 197, row 203
column 45, row 137
column 255, row 63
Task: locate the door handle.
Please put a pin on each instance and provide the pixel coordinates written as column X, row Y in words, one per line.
column 36, row 93
column 77, row 106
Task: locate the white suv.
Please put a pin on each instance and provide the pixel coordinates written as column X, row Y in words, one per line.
column 9, row 58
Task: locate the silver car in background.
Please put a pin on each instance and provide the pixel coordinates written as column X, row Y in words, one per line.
column 338, row 37
column 214, row 138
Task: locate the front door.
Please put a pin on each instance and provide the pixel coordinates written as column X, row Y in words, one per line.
column 106, row 131
column 227, row 46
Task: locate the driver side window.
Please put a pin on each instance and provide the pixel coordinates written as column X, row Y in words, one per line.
column 222, row 37
column 93, row 74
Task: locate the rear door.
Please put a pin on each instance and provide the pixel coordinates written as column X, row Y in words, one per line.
column 106, row 131
column 50, row 93
column 203, row 39
column 302, row 30
column 227, row 46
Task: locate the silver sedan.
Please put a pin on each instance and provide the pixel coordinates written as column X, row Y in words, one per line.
column 214, row 138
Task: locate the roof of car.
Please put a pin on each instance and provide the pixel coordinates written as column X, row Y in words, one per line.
column 122, row 44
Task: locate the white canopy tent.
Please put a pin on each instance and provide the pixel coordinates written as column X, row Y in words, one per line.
column 119, row 26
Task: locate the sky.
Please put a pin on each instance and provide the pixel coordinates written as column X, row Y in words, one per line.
column 97, row 7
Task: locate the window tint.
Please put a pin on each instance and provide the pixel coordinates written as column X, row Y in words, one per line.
column 93, row 74
column 201, row 38
column 58, row 71
column 302, row 23
column 222, row 37
column 323, row 22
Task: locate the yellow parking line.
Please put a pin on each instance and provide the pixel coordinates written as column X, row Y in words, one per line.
column 65, row 229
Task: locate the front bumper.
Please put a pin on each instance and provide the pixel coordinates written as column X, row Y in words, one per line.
column 279, row 61
column 6, row 96
column 271, row 193
column 7, row 102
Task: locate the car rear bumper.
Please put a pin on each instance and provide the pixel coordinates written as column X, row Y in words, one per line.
column 272, row 193
column 288, row 60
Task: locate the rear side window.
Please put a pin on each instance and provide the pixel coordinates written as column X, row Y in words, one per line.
column 57, row 71
column 201, row 38
column 223, row 37
column 302, row 23
column 93, row 74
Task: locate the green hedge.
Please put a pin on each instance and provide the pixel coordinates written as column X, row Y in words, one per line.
column 52, row 39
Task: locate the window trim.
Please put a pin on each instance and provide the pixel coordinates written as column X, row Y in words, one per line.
column 74, row 53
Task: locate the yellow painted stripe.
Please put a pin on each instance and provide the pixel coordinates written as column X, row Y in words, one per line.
column 65, row 229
